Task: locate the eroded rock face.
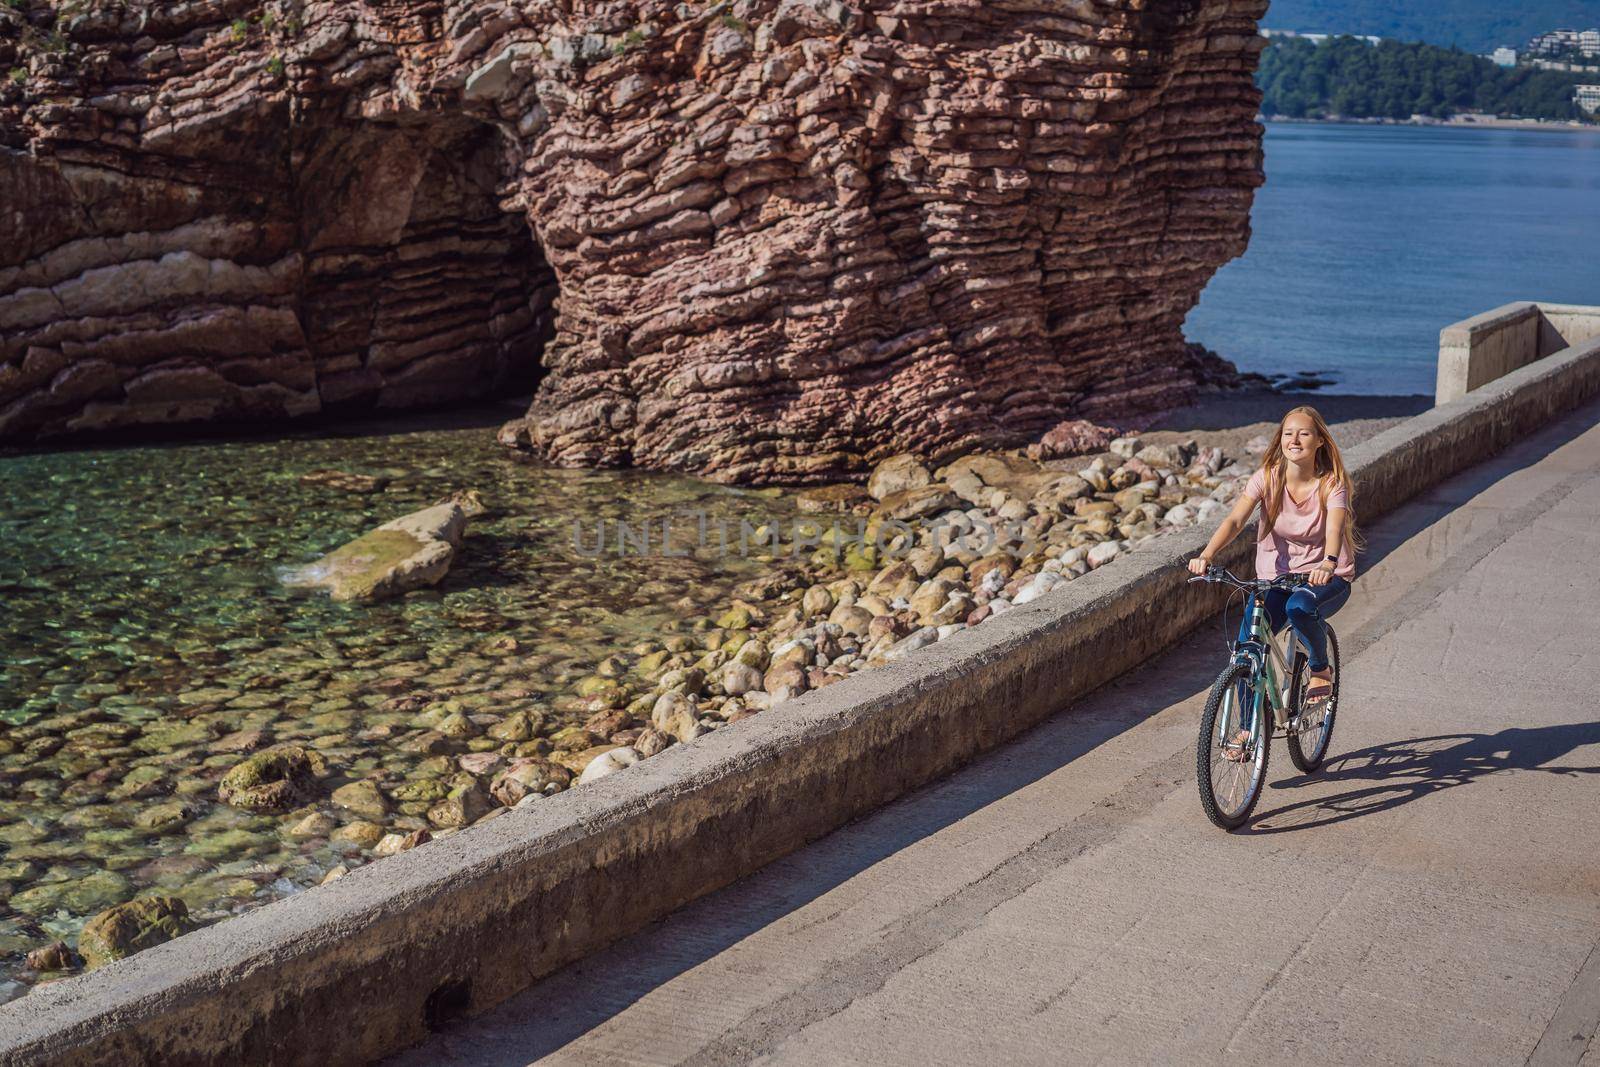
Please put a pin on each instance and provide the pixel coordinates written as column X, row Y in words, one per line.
column 194, row 231
column 791, row 237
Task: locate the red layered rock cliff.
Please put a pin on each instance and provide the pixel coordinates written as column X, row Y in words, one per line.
column 771, row 240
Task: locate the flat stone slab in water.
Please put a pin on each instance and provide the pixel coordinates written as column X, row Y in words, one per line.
column 407, row 553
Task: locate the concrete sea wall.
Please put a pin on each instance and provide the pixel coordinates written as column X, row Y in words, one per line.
column 365, row 965
column 1476, row 351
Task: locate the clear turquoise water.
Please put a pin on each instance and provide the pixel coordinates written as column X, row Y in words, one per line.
column 1370, row 239
column 144, row 623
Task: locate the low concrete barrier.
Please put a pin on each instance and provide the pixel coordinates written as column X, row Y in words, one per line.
column 1476, row 351
column 366, row 965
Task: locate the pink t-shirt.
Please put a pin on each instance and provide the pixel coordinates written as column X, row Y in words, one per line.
column 1299, row 540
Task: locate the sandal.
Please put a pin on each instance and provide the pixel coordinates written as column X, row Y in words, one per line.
column 1318, row 690
column 1234, row 751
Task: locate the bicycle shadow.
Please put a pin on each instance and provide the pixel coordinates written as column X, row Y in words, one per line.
column 1419, row 767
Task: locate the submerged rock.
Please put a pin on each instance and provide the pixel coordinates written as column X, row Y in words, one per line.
column 317, row 824
column 361, row 834
column 345, row 480
column 407, row 553
column 272, row 780
column 119, row 932
column 53, row 957
column 78, row 896
column 172, row 814
column 361, row 798
column 834, row 499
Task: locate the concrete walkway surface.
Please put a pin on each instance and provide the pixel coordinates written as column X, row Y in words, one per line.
column 1431, row 896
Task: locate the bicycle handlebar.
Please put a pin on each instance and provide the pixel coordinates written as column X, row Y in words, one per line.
column 1217, row 574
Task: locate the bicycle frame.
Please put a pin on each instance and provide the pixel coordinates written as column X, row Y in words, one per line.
column 1270, row 664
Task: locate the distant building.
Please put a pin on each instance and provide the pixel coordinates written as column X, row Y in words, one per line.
column 1587, row 97
column 1504, row 57
column 1556, row 41
column 1564, row 64
column 1565, row 42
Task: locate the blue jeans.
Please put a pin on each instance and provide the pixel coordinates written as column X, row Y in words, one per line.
column 1304, row 609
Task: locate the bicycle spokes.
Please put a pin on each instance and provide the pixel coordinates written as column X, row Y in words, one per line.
column 1310, row 723
column 1235, row 746
column 1313, row 729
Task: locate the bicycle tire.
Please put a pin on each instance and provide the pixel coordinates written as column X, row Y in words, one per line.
column 1230, row 819
column 1309, row 761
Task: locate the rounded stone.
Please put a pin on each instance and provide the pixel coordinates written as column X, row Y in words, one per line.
column 120, row 931
column 361, row 833
column 78, row 896
column 362, row 798
column 272, row 780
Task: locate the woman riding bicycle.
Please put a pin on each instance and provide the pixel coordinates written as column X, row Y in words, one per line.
column 1307, row 527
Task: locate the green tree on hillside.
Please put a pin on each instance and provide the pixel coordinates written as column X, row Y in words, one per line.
column 1348, row 77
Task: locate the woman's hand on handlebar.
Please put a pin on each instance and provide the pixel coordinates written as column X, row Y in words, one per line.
column 1198, row 566
column 1320, row 574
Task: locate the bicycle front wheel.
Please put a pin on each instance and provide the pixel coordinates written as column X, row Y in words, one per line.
column 1231, row 757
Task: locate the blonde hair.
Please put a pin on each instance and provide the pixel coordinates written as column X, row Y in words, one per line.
column 1330, row 471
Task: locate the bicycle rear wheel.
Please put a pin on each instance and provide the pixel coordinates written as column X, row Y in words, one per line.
column 1230, row 787
column 1308, row 740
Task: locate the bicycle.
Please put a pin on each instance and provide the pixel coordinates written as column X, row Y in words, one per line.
column 1259, row 677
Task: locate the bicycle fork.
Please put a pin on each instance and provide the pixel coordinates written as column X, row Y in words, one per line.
column 1241, row 714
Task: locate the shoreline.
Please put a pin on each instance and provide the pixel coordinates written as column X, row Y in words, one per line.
column 1544, row 125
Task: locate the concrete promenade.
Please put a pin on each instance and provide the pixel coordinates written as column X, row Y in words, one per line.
column 1432, row 896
